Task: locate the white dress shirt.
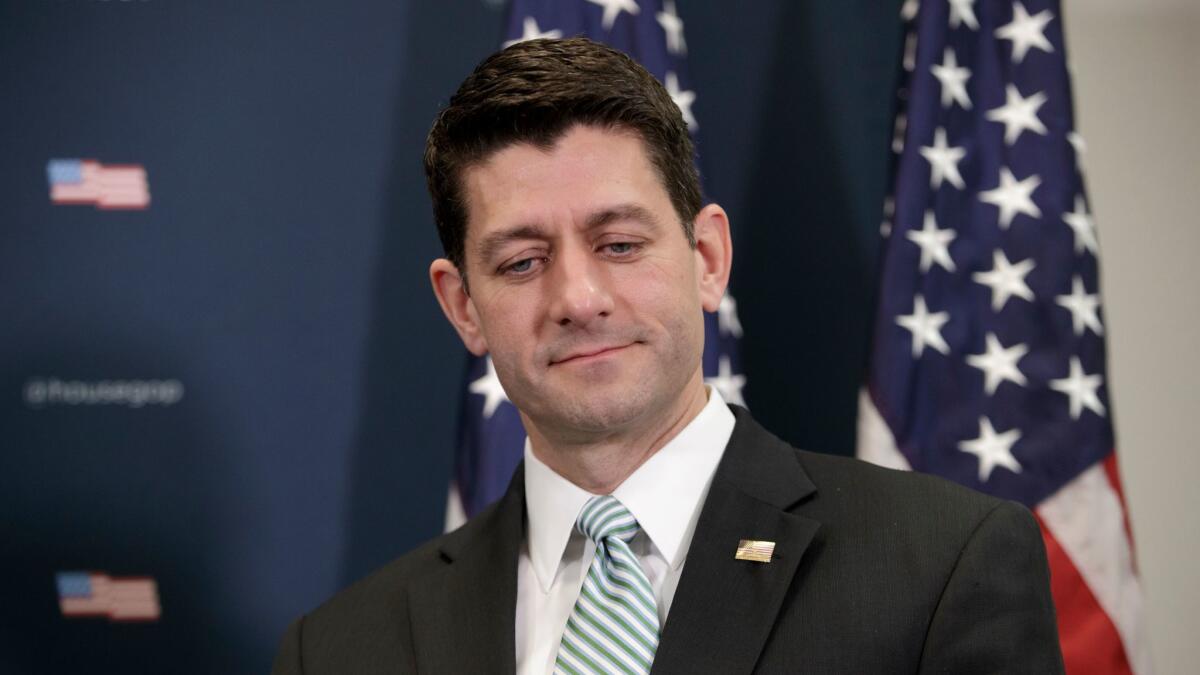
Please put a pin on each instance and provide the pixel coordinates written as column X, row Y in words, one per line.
column 664, row 494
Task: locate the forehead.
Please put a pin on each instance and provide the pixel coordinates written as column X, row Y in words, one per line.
column 587, row 168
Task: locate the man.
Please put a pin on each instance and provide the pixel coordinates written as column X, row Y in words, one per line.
column 650, row 525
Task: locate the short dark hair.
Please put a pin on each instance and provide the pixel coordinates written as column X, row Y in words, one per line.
column 533, row 92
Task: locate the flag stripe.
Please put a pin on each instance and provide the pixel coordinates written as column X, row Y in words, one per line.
column 1114, row 481
column 1090, row 641
column 83, row 606
column 876, row 444
column 1086, row 519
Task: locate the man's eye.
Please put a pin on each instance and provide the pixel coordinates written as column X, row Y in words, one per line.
column 519, row 267
column 621, row 247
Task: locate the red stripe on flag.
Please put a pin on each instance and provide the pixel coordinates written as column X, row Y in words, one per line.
column 138, row 204
column 1090, row 642
column 82, row 607
column 1114, row 479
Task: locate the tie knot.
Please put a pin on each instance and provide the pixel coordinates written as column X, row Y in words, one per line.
column 604, row 517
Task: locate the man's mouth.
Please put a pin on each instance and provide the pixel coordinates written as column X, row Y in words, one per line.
column 589, row 354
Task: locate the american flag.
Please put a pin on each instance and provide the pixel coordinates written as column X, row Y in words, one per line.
column 98, row 595
column 110, row 187
column 491, row 438
column 988, row 364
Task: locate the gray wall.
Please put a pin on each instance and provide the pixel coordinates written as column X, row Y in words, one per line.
column 1137, row 96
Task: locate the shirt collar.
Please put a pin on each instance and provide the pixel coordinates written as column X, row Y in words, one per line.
column 552, row 504
column 664, row 494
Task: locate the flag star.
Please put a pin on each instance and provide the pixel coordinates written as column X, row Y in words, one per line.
column 934, row 243
column 1006, row 279
column 490, row 389
column 898, row 132
column 1084, row 308
column 1026, row 31
column 727, row 383
column 672, row 25
column 1018, row 114
column 727, row 316
column 910, row 51
column 1081, row 388
column 999, row 364
column 1080, row 147
column 963, row 11
column 925, row 327
column 1076, row 140
column 953, row 79
column 613, row 8
column 1013, row 196
column 993, row 449
column 1081, row 223
column 682, row 98
column 530, row 31
column 943, row 161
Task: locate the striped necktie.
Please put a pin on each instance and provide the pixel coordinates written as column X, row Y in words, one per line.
column 614, row 625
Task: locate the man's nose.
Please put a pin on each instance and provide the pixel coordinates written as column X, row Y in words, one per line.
column 580, row 289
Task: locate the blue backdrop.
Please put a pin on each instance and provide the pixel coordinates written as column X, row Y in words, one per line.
column 246, row 391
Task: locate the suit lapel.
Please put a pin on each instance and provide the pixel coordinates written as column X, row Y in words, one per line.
column 723, row 609
column 463, row 620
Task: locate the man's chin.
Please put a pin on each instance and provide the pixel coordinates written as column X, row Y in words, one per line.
column 593, row 413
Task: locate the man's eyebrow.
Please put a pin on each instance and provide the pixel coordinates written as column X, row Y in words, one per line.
column 632, row 212
column 488, row 247
column 492, row 243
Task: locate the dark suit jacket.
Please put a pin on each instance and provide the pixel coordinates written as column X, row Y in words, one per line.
column 874, row 571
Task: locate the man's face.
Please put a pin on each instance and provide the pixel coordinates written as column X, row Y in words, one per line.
column 583, row 286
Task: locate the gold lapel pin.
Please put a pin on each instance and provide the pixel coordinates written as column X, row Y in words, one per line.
column 754, row 551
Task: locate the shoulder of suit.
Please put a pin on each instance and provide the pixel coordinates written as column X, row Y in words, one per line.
column 840, row 472
column 864, row 496
column 386, row 588
column 846, row 485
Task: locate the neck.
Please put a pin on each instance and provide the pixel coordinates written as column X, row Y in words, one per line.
column 600, row 464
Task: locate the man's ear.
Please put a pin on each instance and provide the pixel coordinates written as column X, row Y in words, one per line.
column 714, row 255
column 451, row 291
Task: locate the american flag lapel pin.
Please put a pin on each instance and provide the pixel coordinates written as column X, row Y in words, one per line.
column 754, row 550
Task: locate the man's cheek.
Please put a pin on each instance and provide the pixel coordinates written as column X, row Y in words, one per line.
column 656, row 264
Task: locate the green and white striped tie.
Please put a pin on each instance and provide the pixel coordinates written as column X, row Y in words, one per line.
column 614, row 625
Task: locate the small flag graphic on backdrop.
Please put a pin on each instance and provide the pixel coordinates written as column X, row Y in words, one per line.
column 94, row 594
column 491, row 439
column 110, row 187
